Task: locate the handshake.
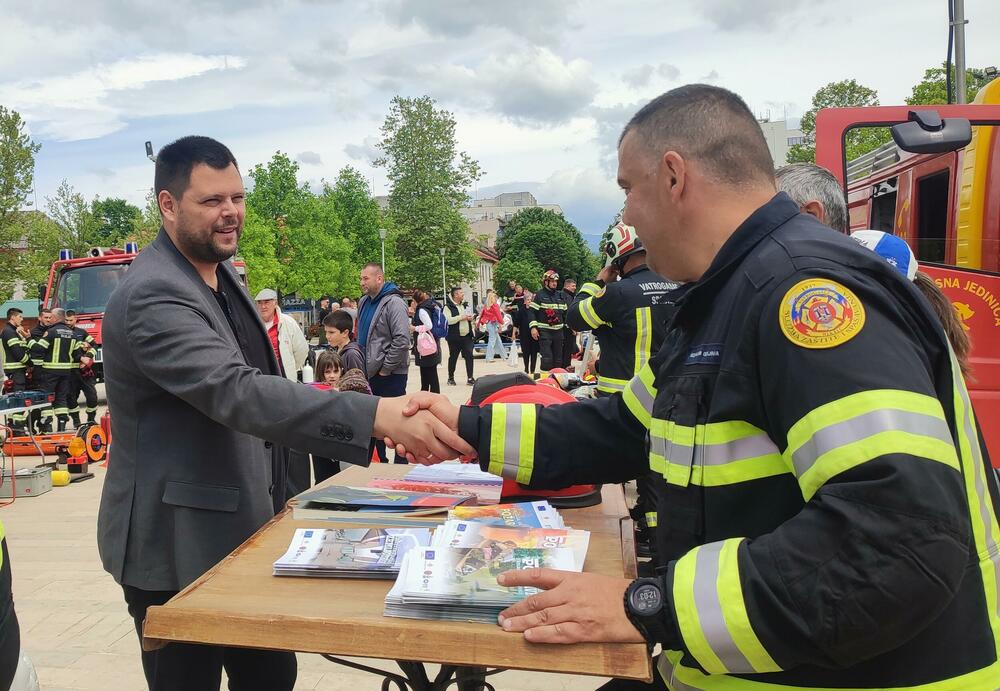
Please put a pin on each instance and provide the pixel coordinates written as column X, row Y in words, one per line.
column 422, row 427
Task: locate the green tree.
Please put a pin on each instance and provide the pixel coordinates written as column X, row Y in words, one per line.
column 17, row 175
column 77, row 223
column 361, row 218
column 523, row 270
column 544, row 239
column 931, row 90
column 43, row 238
column 429, row 181
column 293, row 239
column 148, row 225
column 843, row 94
column 116, row 220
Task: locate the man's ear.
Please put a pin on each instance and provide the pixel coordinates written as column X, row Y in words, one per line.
column 814, row 207
column 168, row 205
column 674, row 174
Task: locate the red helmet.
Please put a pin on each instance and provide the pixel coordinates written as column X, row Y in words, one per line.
column 623, row 242
column 550, row 275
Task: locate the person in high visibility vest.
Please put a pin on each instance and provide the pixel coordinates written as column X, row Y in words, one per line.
column 827, row 513
column 59, row 352
column 548, row 320
column 14, row 342
column 82, row 378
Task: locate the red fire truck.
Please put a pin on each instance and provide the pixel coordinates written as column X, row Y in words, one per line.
column 937, row 185
column 84, row 284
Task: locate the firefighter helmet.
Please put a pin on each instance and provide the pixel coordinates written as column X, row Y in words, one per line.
column 550, row 275
column 623, row 242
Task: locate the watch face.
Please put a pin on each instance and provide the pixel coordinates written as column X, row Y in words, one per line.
column 646, row 600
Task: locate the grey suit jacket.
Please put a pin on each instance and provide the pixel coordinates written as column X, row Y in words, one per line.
column 193, row 425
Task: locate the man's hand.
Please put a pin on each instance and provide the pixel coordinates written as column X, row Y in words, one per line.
column 438, row 406
column 534, row 333
column 418, row 434
column 609, row 274
column 575, row 608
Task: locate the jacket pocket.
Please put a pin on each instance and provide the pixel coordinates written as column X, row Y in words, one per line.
column 199, row 496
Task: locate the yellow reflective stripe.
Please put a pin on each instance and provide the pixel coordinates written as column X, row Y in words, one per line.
column 589, row 314
column 590, row 289
column 985, row 526
column 512, row 441
column 845, row 433
column 550, row 305
column 678, row 677
column 643, row 336
column 610, row 384
column 548, row 327
column 711, row 612
column 639, row 396
column 498, row 426
column 651, row 519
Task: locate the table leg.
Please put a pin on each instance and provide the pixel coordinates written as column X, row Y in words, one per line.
column 416, row 678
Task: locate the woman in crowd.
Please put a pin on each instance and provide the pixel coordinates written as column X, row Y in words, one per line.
column 422, row 323
column 492, row 320
column 529, row 346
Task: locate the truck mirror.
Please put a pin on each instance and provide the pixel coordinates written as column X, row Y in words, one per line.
column 927, row 133
column 41, row 293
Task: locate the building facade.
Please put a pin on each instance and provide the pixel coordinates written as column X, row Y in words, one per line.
column 780, row 139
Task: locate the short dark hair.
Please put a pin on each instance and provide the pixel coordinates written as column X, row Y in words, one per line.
column 707, row 124
column 70, row 313
column 175, row 161
column 454, row 289
column 327, row 359
column 339, row 320
column 44, row 310
column 13, row 311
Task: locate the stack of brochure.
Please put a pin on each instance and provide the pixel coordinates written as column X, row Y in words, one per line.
column 350, row 553
column 448, row 478
column 455, row 578
column 374, row 506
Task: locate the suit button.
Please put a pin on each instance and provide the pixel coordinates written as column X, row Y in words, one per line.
column 268, row 445
column 325, row 430
column 348, row 435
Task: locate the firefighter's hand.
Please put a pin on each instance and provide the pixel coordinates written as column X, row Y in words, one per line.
column 438, row 406
column 419, row 436
column 534, row 333
column 574, row 608
column 609, row 274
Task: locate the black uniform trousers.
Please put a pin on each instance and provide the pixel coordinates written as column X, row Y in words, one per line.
column 88, row 386
column 37, row 384
column 460, row 345
column 58, row 382
column 191, row 667
column 19, row 380
column 550, row 347
column 569, row 347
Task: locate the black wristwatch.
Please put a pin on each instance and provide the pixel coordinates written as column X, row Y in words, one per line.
column 644, row 604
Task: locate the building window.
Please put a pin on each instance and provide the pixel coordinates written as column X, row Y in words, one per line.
column 792, row 141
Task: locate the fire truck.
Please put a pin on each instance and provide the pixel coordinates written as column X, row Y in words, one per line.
column 937, row 185
column 84, row 284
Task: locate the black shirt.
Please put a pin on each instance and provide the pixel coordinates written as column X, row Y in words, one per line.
column 252, row 339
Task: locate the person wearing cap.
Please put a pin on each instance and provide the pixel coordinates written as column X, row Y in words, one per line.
column 548, row 320
column 287, row 339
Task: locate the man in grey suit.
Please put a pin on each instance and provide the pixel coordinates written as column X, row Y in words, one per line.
column 200, row 415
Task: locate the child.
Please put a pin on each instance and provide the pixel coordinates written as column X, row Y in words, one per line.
column 349, row 380
column 338, row 327
column 329, row 369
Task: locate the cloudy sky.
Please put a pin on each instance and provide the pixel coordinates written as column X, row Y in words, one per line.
column 540, row 88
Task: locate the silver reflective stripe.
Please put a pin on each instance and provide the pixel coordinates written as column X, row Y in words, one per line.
column 978, row 473
column 611, row 386
column 666, row 671
column 706, row 601
column 512, row 442
column 736, row 450
column 638, row 389
column 864, row 426
column 657, row 445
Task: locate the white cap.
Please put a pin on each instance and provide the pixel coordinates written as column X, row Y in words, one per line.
column 266, row 294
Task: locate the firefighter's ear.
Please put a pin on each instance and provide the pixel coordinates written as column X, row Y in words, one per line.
column 814, row 207
column 674, row 173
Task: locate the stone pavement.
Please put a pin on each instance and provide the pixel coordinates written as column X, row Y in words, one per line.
column 74, row 624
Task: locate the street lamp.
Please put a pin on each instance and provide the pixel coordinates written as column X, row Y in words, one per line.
column 444, row 281
column 382, row 233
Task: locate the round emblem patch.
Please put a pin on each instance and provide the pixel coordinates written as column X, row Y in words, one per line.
column 819, row 313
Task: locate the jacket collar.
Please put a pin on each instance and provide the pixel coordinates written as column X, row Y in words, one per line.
column 758, row 226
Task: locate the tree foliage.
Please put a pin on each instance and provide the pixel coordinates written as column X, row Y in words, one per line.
column 361, row 218
column 538, row 239
column 932, row 91
column 293, row 240
column 429, row 181
column 17, row 175
column 74, row 217
column 116, row 220
column 843, row 94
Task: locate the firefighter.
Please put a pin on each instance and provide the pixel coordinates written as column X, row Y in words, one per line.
column 82, row 378
column 13, row 340
column 548, row 320
column 36, row 379
column 59, row 353
column 627, row 308
column 829, row 515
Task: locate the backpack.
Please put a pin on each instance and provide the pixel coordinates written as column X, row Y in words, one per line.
column 439, row 323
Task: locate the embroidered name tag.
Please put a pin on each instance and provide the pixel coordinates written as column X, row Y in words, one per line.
column 705, row 354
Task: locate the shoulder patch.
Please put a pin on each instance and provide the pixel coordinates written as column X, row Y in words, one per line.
column 820, row 313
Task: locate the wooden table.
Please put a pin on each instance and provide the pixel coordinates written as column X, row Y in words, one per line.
column 239, row 603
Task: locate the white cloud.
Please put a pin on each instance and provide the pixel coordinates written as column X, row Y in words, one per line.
column 309, row 158
column 366, row 151
column 536, row 85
